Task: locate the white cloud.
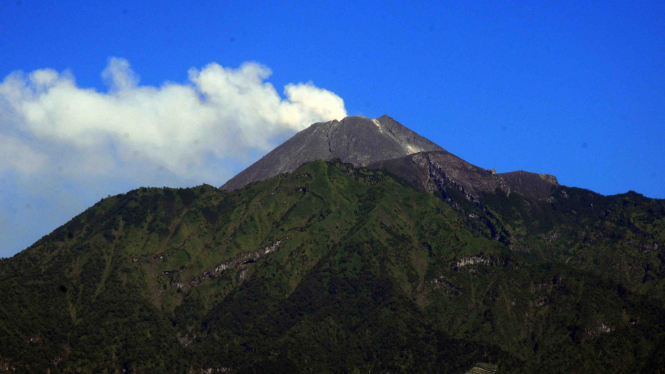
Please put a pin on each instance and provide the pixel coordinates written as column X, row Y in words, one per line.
column 131, row 130
column 16, row 155
column 63, row 147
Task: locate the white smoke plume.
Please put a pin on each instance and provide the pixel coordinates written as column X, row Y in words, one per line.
column 219, row 114
column 62, row 147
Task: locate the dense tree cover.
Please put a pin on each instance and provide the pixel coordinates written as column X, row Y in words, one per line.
column 336, row 269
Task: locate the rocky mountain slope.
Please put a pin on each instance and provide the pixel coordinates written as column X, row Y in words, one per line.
column 385, row 144
column 356, row 140
column 423, row 263
column 428, row 171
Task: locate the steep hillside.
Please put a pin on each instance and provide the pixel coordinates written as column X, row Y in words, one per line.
column 337, row 269
column 616, row 236
column 430, row 171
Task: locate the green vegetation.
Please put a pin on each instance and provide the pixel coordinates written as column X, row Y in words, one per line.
column 336, row 269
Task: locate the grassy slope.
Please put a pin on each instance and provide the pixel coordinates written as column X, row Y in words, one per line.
column 338, row 269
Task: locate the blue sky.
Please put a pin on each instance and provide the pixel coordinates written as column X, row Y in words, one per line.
column 571, row 88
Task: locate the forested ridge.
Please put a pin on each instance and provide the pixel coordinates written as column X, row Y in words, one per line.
column 333, row 268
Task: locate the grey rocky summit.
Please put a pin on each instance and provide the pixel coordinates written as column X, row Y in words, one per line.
column 357, row 140
column 385, row 144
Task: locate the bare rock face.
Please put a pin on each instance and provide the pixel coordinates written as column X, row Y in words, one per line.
column 533, row 185
column 357, row 140
column 429, row 171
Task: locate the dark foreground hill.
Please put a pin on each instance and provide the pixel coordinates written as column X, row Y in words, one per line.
column 333, row 268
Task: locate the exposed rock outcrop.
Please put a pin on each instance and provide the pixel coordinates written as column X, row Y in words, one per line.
column 239, row 260
column 430, row 171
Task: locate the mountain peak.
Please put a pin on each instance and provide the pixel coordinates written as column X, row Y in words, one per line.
column 355, row 139
column 383, row 143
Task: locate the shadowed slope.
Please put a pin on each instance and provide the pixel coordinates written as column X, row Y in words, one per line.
column 428, row 171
